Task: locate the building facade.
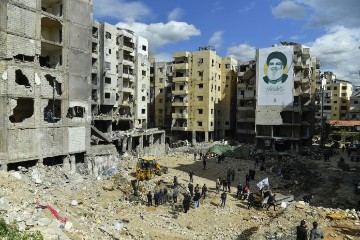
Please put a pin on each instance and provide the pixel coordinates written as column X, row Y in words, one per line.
column 198, row 99
column 286, row 83
column 45, row 49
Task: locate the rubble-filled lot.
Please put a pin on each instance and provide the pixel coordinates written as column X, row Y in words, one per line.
column 75, row 206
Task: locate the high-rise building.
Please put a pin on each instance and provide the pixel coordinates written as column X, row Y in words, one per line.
column 354, row 112
column 335, row 97
column 45, row 49
column 200, row 106
column 284, row 115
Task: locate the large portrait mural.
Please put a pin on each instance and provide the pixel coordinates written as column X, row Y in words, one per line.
column 275, row 78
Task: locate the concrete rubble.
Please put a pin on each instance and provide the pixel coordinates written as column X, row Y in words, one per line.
column 104, row 207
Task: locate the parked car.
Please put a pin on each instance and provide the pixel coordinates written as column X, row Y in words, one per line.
column 353, row 147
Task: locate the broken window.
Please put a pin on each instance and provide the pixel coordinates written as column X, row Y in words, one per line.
column 54, row 83
column 51, row 55
column 23, row 110
column 21, row 79
column 51, row 30
column 52, row 112
column 107, row 95
column 107, row 35
column 52, row 7
column 25, row 58
column 76, row 111
column 107, row 80
column 143, row 47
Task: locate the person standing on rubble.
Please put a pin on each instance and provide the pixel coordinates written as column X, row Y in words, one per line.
column 247, row 178
column 191, row 189
column 271, row 201
column 223, row 199
column 224, row 184
column 149, row 198
column 232, row 175
column 156, row 198
column 301, row 231
column 239, row 190
column 203, row 191
column 229, row 185
column 175, row 194
column 191, row 175
column 197, row 188
column 194, row 156
column 196, row 199
column 161, row 195
column 316, row 233
column 176, row 182
column 218, row 185
column 186, row 203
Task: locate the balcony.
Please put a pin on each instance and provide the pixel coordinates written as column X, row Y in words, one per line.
column 180, row 115
column 249, row 119
column 181, row 66
column 180, row 92
column 245, row 108
column 128, row 90
column 179, row 104
column 179, row 128
column 180, row 79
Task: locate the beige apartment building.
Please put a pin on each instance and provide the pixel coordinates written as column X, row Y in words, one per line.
column 284, row 115
column 334, row 97
column 200, row 104
column 45, row 52
column 354, row 111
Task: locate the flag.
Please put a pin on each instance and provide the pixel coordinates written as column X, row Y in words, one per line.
column 263, row 183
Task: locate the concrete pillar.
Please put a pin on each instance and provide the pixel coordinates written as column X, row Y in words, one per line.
column 72, row 164
column 124, row 144
column 66, row 164
column 129, row 144
column 193, row 137
column 206, row 136
column 88, row 164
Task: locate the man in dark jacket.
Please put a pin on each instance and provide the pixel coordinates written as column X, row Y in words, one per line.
column 191, row 189
column 175, row 194
column 203, row 191
column 186, row 203
column 301, row 231
column 156, row 198
column 271, row 201
column 149, row 198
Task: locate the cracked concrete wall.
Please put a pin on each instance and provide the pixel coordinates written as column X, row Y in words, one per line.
column 20, row 34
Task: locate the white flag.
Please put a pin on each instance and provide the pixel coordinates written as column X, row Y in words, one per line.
column 263, row 183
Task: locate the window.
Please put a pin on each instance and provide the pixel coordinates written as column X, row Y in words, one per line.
column 161, row 70
column 201, row 60
column 227, row 77
column 109, row 51
column 227, row 123
column 201, row 85
column 328, row 88
column 200, row 111
column 343, row 88
column 143, row 73
column 160, row 90
column 343, row 94
column 212, row 98
column 107, row 35
column 211, row 123
column 143, row 98
column 107, row 95
column 107, row 65
column 200, row 98
column 226, row 85
column 227, row 65
column 181, row 87
column 212, row 111
column 219, row 65
column 335, row 101
column 200, row 73
column 143, row 111
column 143, row 47
column 199, row 124
column 343, row 108
column 161, row 80
column 218, row 88
column 335, row 87
column 107, row 80
column 219, row 111
column 160, row 100
column 356, row 102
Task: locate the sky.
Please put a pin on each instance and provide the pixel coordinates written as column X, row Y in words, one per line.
column 331, row 28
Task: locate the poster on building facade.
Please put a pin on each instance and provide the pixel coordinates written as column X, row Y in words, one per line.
column 275, row 79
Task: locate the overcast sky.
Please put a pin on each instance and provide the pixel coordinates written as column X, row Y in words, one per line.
column 238, row 27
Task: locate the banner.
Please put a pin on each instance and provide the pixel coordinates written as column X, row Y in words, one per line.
column 263, row 183
column 275, row 76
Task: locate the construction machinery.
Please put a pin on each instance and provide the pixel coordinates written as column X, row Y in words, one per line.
column 148, row 167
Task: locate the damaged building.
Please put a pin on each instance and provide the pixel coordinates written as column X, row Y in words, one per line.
column 45, row 86
column 285, row 94
column 120, row 91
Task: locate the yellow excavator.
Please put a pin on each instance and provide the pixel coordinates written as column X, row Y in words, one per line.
column 147, row 167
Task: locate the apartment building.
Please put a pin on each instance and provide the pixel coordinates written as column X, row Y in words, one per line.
column 45, row 49
column 354, row 111
column 285, row 88
column 246, row 101
column 161, row 91
column 199, row 104
column 120, row 91
column 334, row 97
